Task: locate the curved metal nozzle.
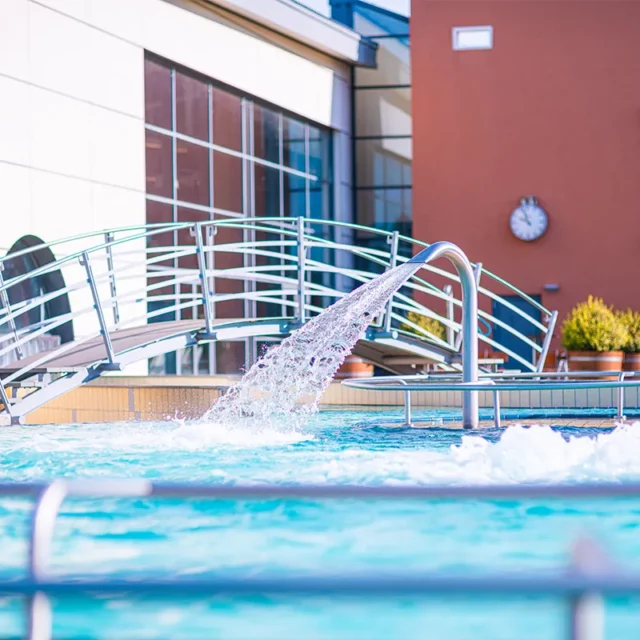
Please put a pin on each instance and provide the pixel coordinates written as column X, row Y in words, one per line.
column 469, row 319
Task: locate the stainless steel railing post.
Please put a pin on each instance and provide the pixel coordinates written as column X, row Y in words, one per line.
column 393, row 261
column 468, row 280
column 302, row 272
column 97, row 305
column 586, row 619
column 108, row 239
column 448, row 291
column 204, row 280
column 4, row 298
column 45, row 513
column 542, row 358
column 620, row 407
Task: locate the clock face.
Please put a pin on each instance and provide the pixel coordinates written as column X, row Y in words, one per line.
column 528, row 222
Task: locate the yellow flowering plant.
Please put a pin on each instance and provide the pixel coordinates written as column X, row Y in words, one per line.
column 594, row 326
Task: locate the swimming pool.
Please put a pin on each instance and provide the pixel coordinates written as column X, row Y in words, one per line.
column 304, row 537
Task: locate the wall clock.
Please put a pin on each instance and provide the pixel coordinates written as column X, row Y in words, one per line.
column 529, row 221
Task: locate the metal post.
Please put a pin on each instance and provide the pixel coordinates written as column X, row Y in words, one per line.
column 4, row 397
column 393, row 260
column 108, row 239
column 547, row 341
column 407, row 409
column 302, row 272
column 477, row 273
column 496, row 408
column 4, row 298
column 468, row 280
column 586, row 621
column 448, row 291
column 621, row 378
column 204, row 280
column 45, row 514
column 84, row 261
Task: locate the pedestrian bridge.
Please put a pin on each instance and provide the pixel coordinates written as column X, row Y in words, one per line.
column 75, row 309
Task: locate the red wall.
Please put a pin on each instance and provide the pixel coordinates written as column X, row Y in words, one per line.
column 552, row 110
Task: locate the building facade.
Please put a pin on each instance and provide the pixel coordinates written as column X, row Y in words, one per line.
column 536, row 99
column 124, row 113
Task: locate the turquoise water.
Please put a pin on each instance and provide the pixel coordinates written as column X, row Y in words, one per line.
column 122, row 538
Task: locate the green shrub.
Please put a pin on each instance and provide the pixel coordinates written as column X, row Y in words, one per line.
column 433, row 326
column 594, row 326
column 631, row 322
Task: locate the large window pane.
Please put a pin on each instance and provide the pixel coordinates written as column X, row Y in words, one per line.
column 383, row 112
column 266, row 134
column 393, row 64
column 192, row 107
column 294, row 195
column 193, row 172
column 385, row 209
column 267, row 190
column 227, row 182
column 227, row 257
column 230, row 357
column 385, row 162
column 227, row 119
column 157, row 94
column 159, row 164
column 293, row 143
column 319, row 153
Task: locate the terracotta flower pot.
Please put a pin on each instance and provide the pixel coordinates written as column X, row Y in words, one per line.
column 596, row 361
column 631, row 362
column 354, row 367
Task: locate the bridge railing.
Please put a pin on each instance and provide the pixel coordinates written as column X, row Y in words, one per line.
column 589, row 577
column 97, row 283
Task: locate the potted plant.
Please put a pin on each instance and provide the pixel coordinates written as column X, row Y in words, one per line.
column 631, row 322
column 431, row 325
column 594, row 337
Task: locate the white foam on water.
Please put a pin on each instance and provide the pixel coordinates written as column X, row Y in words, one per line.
column 285, row 385
column 522, row 455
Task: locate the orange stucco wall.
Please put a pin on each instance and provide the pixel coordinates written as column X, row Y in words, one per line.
column 553, row 110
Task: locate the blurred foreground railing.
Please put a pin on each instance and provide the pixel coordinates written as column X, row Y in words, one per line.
column 584, row 582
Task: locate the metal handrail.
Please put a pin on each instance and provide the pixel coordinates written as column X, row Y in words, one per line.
column 499, row 382
column 578, row 584
column 123, row 277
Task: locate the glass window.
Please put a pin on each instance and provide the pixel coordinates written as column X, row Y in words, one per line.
column 393, row 64
column 227, row 182
column 293, row 143
column 227, row 119
column 157, row 94
column 204, row 179
column 386, row 209
column 295, row 200
column 230, row 357
column 192, row 107
column 267, row 190
column 383, row 112
column 385, row 162
column 159, row 164
column 192, row 163
column 266, row 132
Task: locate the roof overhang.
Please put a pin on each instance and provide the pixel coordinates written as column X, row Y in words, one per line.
column 297, row 22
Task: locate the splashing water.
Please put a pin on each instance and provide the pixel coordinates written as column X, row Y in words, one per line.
column 287, row 382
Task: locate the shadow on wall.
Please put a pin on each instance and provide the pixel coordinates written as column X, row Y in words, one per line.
column 31, row 254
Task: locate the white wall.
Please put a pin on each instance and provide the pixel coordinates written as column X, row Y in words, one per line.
column 72, row 107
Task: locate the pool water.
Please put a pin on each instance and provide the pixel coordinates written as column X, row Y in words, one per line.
column 122, row 538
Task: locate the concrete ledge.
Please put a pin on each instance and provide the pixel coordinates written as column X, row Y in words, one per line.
column 116, row 398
